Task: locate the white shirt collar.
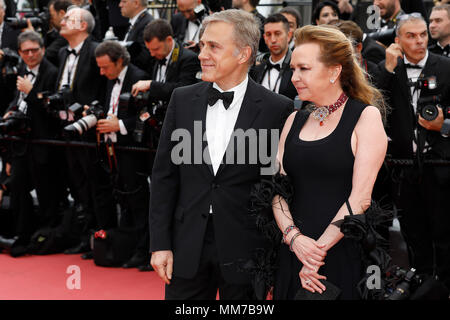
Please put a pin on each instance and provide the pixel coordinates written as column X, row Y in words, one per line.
column 122, row 74
column 78, row 47
column 35, row 70
column 239, row 91
column 280, row 62
column 421, row 63
column 134, row 19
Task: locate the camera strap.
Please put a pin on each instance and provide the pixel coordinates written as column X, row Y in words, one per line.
column 111, row 153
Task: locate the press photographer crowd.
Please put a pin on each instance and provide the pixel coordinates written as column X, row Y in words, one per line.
column 88, row 97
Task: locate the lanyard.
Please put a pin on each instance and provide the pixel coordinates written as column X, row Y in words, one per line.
column 276, row 81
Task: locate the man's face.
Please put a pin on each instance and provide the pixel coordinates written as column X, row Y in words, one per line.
column 439, row 24
column 219, row 56
column 387, row 8
column 292, row 23
column 109, row 69
column 31, row 53
column 413, row 38
column 56, row 17
column 159, row 49
column 128, row 8
column 276, row 38
column 237, row 4
column 71, row 24
column 2, row 14
column 186, row 7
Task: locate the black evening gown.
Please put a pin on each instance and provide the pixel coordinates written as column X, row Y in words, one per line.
column 321, row 173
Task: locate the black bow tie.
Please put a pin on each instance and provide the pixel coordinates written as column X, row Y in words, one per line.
column 162, row 62
column 116, row 81
column 214, row 95
column 28, row 72
column 412, row 66
column 273, row 66
column 69, row 52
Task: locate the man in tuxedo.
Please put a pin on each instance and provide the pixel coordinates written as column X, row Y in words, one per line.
column 440, row 30
column 274, row 72
column 420, row 191
column 176, row 65
column 136, row 11
column 79, row 74
column 32, row 165
column 186, row 23
column 53, row 40
column 114, row 63
column 200, row 229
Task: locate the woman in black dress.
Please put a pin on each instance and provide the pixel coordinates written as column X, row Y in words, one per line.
column 332, row 154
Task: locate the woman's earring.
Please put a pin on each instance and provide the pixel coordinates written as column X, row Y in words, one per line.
column 332, row 80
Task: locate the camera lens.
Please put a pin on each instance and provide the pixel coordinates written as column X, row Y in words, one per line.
column 429, row 112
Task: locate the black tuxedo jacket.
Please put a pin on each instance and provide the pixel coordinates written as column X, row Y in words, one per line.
column 373, row 51
column 179, row 25
column 129, row 115
column 42, row 124
column 286, row 87
column 182, row 194
column 53, row 43
column 88, row 85
column 181, row 71
column 140, row 56
column 402, row 120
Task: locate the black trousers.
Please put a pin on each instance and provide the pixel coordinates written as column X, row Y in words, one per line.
column 208, row 280
column 424, row 211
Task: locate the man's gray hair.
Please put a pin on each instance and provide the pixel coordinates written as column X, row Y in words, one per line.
column 29, row 35
column 410, row 17
column 86, row 16
column 246, row 29
column 143, row 3
column 3, row 4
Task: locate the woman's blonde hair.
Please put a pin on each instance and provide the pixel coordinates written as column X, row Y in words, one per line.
column 337, row 49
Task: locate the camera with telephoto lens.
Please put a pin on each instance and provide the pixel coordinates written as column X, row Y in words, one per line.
column 385, row 36
column 17, row 123
column 402, row 284
column 9, row 63
column 56, row 102
column 94, row 113
column 39, row 20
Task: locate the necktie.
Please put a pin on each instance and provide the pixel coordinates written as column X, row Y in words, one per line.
column 214, row 95
column 69, row 52
column 412, row 66
column 273, row 66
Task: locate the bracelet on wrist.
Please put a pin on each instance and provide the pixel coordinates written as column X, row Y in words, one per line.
column 287, row 230
column 292, row 240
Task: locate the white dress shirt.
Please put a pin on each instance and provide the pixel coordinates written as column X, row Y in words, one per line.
column 114, row 105
column 162, row 68
column 21, row 103
column 70, row 67
column 272, row 77
column 2, row 25
column 192, row 32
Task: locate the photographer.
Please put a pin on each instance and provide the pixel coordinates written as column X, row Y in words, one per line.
column 186, row 23
column 53, row 40
column 113, row 61
column 440, row 30
column 32, row 165
column 136, row 11
column 410, row 75
column 79, row 75
column 176, row 66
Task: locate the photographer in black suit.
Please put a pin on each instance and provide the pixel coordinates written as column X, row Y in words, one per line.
column 440, row 30
column 421, row 191
column 199, row 225
column 53, row 41
column 274, row 72
column 136, row 11
column 32, row 165
column 113, row 61
column 78, row 72
column 176, row 66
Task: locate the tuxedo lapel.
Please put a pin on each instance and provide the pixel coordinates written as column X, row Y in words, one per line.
column 61, row 70
column 403, row 84
column 285, row 67
column 429, row 70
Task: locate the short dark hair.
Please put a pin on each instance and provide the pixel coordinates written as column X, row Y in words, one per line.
column 60, row 4
column 158, row 28
column 114, row 50
column 293, row 12
column 320, row 6
column 278, row 17
column 30, row 36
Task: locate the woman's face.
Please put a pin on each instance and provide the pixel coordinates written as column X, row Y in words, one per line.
column 327, row 15
column 311, row 78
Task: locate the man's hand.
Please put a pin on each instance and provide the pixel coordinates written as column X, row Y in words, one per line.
column 433, row 125
column 141, row 86
column 24, row 85
column 393, row 52
column 6, row 115
column 162, row 263
column 29, row 26
column 111, row 124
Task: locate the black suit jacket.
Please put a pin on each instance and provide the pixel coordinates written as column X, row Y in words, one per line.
column 179, row 25
column 53, row 43
column 181, row 71
column 129, row 115
column 372, row 51
column 182, row 193
column 88, row 85
column 286, row 87
column 140, row 56
column 402, row 120
column 41, row 123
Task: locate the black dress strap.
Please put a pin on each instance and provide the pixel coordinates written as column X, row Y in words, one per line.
column 349, row 207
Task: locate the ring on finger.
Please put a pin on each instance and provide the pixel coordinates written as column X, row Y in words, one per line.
column 308, row 282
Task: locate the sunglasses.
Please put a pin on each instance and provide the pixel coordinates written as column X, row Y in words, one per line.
column 32, row 50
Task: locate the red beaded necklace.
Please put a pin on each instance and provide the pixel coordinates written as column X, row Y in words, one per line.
column 321, row 113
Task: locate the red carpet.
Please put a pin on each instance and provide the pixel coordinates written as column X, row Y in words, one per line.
column 46, row 278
